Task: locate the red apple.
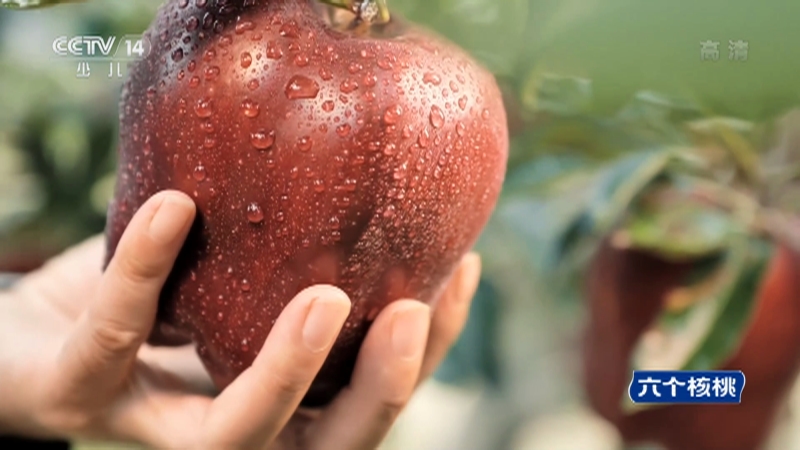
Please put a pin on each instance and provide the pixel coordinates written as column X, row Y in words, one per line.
column 626, row 290
column 369, row 158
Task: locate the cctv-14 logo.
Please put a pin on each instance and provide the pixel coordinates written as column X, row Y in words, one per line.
column 685, row 386
column 89, row 52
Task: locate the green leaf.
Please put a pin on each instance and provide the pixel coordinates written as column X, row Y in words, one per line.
column 28, row 4
column 715, row 323
column 558, row 95
column 660, row 51
column 490, row 30
column 608, row 196
column 676, row 226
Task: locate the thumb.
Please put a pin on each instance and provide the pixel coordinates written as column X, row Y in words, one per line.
column 101, row 349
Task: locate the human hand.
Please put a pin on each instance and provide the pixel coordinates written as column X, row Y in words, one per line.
column 73, row 363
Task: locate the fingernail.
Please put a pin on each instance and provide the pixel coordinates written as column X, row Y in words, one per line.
column 170, row 218
column 470, row 277
column 324, row 322
column 410, row 330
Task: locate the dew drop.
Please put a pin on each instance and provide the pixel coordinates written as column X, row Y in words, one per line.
column 245, row 286
column 437, row 117
column 393, row 114
column 262, row 139
column 250, row 108
column 246, row 60
column 273, row 50
column 301, row 60
column 241, row 27
column 192, row 23
column 203, row 108
column 325, row 74
column 301, row 87
column 401, row 172
column 485, row 114
column 370, row 80
column 290, row 30
column 319, row 185
column 462, row 103
column 424, row 139
column 389, row 212
column 355, row 67
column 177, row 54
column 461, row 129
column 343, row 130
column 432, row 78
column 253, row 85
column 390, row 149
column 211, row 72
column 305, row 143
column 348, row 86
column 328, row 105
column 254, row 213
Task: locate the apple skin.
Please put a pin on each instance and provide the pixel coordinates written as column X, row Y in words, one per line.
column 625, row 291
column 314, row 156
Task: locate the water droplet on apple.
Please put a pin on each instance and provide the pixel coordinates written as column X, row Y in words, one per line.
column 348, row 86
column 273, row 50
column 192, row 23
column 290, row 30
column 211, row 72
column 485, row 114
column 301, row 87
column 355, row 67
column 254, row 213
column 393, row 114
column 390, row 149
column 203, row 108
column 250, row 108
column 325, row 74
column 305, row 143
column 301, row 60
column 432, row 78
column 343, row 130
column 462, row 103
column 177, row 54
column 424, row 139
column 401, row 172
column 437, row 117
column 245, row 285
column 262, row 139
column 461, row 129
column 389, row 212
column 328, row 105
column 243, row 26
column 246, row 60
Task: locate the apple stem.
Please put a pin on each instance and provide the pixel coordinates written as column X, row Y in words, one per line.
column 369, row 11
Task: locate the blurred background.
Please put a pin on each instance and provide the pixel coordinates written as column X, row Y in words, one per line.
column 597, row 93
